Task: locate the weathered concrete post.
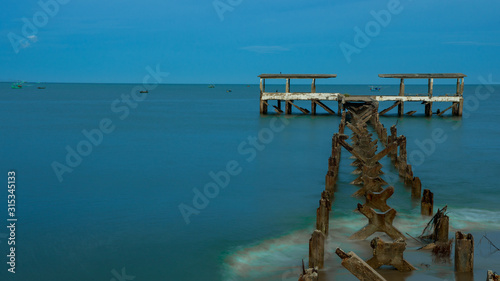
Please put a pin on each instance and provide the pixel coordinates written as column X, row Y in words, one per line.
column 427, row 204
column 389, row 254
column 428, row 106
column 263, row 104
column 317, row 250
column 401, row 106
column 358, row 267
column 464, row 252
column 416, row 188
column 288, row 107
column 442, row 229
column 402, row 161
column 323, row 213
column 394, row 153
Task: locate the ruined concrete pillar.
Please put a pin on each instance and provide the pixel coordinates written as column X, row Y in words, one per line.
column 416, row 188
column 330, row 180
column 427, row 204
column 310, row 274
column 402, row 161
column 317, row 250
column 358, row 267
column 442, row 229
column 323, row 213
column 408, row 175
column 389, row 254
column 464, row 252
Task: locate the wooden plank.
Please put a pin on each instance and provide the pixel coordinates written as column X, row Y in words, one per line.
column 325, row 107
column 389, row 108
column 411, row 112
column 423, row 75
column 305, row 111
column 278, row 110
column 297, row 76
column 442, row 112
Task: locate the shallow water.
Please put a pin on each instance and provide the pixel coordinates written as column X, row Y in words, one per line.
column 119, row 208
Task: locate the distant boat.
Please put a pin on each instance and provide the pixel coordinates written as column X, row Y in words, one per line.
column 229, row 91
column 375, row 88
column 17, row 85
column 41, row 88
column 211, row 86
column 144, row 92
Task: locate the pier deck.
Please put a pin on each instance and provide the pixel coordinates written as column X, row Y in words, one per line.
column 316, row 98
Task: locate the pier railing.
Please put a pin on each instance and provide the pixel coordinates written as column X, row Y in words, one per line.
column 320, row 99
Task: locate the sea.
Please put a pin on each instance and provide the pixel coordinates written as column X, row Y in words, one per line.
column 188, row 182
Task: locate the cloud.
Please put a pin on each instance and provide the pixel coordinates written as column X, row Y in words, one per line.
column 471, row 43
column 265, row 49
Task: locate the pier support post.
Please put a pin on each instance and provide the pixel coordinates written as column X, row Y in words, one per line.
column 313, row 107
column 427, row 204
column 401, row 106
column 263, row 104
column 428, row 105
column 323, row 213
column 288, row 107
column 464, row 252
column 317, row 249
column 442, row 229
column 416, row 188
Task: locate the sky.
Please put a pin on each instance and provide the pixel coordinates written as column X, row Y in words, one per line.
column 233, row 41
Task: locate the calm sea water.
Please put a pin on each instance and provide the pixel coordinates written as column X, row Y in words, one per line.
column 118, row 210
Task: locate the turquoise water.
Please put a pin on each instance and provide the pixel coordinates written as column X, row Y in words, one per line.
column 119, row 208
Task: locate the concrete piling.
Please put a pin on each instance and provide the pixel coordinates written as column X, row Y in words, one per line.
column 358, row 267
column 323, row 213
column 389, row 254
column 317, row 250
column 464, row 252
column 427, row 203
column 416, row 188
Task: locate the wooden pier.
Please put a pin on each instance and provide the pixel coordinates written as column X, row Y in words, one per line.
column 320, row 99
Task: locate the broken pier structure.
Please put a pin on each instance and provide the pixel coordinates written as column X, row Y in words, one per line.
column 322, row 99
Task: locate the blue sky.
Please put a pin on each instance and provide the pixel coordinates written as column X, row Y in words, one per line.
column 113, row 41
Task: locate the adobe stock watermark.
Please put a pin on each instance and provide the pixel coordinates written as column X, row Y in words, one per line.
column 223, row 6
column 48, row 9
column 248, row 148
column 121, row 276
column 427, row 147
column 372, row 29
column 94, row 137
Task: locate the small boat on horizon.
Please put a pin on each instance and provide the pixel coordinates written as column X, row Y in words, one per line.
column 211, row 86
column 41, row 88
column 17, row 85
column 375, row 88
column 229, row 91
column 144, row 92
